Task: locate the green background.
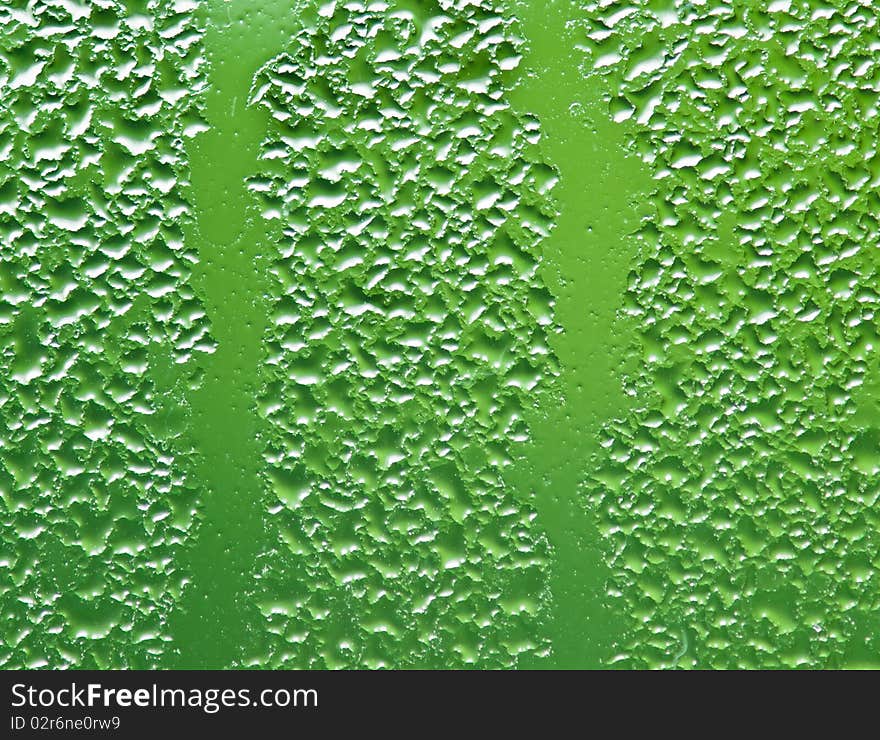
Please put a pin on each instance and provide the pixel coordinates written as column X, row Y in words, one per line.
column 697, row 481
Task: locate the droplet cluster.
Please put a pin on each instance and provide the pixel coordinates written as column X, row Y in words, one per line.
column 408, row 332
column 739, row 497
column 98, row 322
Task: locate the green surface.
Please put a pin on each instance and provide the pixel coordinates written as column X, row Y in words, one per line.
column 438, row 334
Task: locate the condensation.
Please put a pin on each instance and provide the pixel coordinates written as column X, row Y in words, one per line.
column 408, row 333
column 739, row 498
column 98, row 324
